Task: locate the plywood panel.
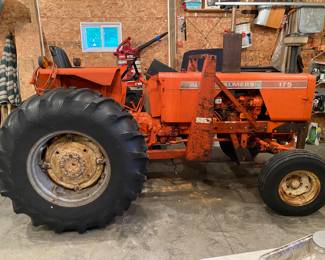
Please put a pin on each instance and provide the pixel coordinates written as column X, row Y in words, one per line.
column 141, row 20
column 206, row 31
column 16, row 17
column 13, row 11
column 27, row 52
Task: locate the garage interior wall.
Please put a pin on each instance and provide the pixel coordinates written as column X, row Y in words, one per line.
column 141, row 19
column 18, row 16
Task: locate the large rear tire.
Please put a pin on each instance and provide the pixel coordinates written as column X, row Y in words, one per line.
column 46, row 174
column 293, row 183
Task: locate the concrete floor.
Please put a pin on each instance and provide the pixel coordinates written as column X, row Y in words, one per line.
column 213, row 215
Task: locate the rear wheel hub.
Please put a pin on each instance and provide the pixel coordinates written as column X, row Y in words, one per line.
column 74, row 162
column 68, row 169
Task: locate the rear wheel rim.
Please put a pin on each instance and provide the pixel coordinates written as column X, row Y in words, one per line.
column 299, row 188
column 68, row 169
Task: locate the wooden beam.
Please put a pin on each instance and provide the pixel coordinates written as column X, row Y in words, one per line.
column 37, row 18
column 171, row 33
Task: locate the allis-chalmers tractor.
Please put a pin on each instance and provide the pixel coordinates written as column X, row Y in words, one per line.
column 74, row 156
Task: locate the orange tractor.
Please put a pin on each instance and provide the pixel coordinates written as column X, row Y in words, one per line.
column 74, row 156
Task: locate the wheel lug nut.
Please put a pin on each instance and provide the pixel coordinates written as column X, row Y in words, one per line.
column 100, row 161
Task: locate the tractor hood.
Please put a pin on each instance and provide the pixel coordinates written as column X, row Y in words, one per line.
column 106, row 81
column 100, row 76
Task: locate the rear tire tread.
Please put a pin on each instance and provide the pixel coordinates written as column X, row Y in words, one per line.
column 118, row 118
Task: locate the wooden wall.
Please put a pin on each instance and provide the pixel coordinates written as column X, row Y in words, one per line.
column 206, row 31
column 14, row 11
column 141, row 19
column 18, row 16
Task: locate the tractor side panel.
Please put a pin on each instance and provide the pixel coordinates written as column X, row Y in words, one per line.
column 292, row 102
column 288, row 97
column 179, row 105
column 152, row 93
column 179, row 95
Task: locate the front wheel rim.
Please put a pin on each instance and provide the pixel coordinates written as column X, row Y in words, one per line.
column 63, row 176
column 299, row 188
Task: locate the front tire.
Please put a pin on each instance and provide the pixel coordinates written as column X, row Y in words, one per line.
column 55, row 129
column 293, row 183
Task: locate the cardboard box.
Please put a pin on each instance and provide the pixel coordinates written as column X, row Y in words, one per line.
column 270, row 17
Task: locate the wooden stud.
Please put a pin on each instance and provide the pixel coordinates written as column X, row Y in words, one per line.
column 172, row 33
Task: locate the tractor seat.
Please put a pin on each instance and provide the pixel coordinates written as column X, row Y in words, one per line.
column 60, row 58
column 156, row 67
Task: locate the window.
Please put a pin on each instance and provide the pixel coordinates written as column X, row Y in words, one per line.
column 100, row 37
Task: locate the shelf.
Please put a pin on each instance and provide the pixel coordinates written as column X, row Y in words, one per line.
column 207, row 11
